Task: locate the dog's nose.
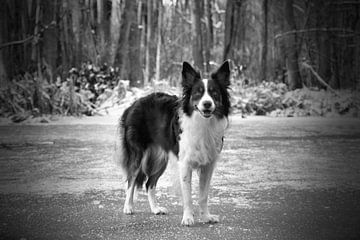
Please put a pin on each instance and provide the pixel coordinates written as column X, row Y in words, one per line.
column 207, row 104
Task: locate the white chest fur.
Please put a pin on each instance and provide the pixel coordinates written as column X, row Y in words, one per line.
column 201, row 139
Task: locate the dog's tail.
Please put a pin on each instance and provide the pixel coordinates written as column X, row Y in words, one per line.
column 128, row 155
column 139, row 162
column 120, row 156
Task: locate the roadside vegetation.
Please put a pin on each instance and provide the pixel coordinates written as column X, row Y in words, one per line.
column 98, row 90
column 289, row 58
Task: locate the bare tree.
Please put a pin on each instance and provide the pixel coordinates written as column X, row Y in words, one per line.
column 158, row 48
column 3, row 51
column 209, row 34
column 100, row 21
column 264, row 41
column 148, row 40
column 50, row 36
column 133, row 63
column 292, row 65
column 116, row 12
column 196, row 35
column 234, row 29
column 45, row 37
column 126, row 20
column 77, row 31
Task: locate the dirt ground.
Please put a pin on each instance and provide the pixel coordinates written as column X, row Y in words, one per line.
column 279, row 178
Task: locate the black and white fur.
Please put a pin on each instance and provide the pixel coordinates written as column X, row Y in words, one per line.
column 190, row 128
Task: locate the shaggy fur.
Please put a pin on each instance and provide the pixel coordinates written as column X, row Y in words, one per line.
column 190, row 128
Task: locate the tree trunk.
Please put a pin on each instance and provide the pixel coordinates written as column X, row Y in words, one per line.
column 209, row 35
column 292, row 65
column 158, row 48
column 196, row 35
column 101, row 27
column 134, row 63
column 115, row 26
column 3, row 51
column 3, row 72
column 126, row 20
column 77, row 31
column 129, row 45
column 51, row 36
column 357, row 53
column 264, row 42
column 65, row 44
column 148, row 40
column 322, row 40
column 234, row 30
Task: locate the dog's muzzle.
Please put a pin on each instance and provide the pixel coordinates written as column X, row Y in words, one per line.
column 206, row 113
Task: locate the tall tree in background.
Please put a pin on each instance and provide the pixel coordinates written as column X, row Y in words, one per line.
column 133, row 65
column 77, row 29
column 100, row 25
column 323, row 38
column 148, row 41
column 127, row 17
column 264, row 41
column 292, row 65
column 209, row 38
column 233, row 30
column 49, row 49
column 116, row 14
column 47, row 38
column 196, row 35
column 158, row 48
column 4, row 50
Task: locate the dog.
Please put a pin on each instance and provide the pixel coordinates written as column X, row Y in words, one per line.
column 190, row 128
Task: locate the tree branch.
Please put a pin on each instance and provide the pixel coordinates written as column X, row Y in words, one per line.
column 342, row 30
column 16, row 42
column 319, row 78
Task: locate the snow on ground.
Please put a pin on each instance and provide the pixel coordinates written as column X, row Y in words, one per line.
column 266, row 99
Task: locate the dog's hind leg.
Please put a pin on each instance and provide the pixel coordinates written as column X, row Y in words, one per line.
column 155, row 208
column 204, row 185
column 151, row 186
column 129, row 199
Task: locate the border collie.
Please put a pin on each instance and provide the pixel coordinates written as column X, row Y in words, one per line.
column 191, row 128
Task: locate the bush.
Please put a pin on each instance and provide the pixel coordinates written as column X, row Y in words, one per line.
column 259, row 100
column 81, row 92
column 275, row 100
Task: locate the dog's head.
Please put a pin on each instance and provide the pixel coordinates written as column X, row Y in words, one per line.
column 209, row 97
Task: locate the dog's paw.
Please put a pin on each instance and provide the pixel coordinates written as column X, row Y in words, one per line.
column 187, row 220
column 209, row 218
column 128, row 210
column 159, row 211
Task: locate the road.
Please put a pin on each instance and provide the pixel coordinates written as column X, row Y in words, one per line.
column 279, row 178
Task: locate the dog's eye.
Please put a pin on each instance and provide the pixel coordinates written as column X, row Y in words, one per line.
column 215, row 94
column 199, row 91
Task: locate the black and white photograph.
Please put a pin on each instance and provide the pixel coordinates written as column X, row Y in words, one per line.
column 180, row 119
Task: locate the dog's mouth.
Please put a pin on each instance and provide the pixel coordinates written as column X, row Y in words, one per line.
column 206, row 113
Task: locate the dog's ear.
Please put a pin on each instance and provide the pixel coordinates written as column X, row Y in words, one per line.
column 189, row 75
column 222, row 75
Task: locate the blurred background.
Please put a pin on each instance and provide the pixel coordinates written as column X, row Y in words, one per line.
column 288, row 58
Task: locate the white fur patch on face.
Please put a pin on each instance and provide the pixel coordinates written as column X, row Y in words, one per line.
column 206, row 104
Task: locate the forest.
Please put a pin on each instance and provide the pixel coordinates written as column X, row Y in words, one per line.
column 288, row 58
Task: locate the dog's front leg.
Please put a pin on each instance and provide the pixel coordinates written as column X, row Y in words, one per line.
column 204, row 185
column 185, row 182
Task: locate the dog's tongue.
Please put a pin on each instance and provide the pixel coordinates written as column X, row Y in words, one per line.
column 206, row 113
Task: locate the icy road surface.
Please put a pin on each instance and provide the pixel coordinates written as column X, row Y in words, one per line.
column 278, row 178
